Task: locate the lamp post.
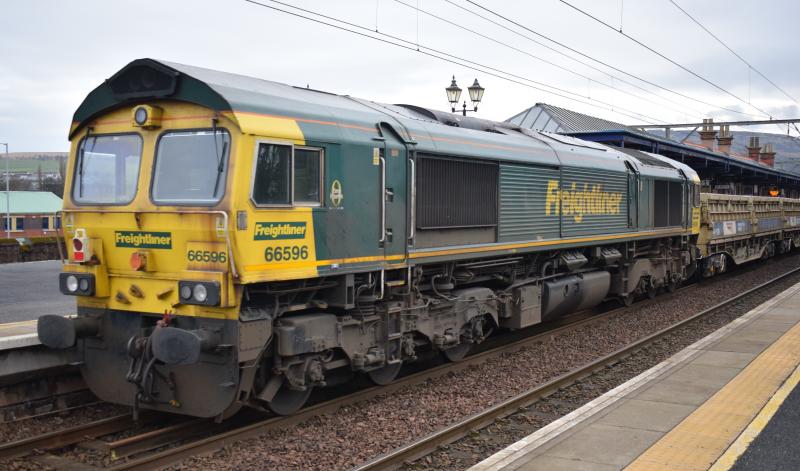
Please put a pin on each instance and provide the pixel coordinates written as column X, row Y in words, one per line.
column 454, row 93
column 8, row 195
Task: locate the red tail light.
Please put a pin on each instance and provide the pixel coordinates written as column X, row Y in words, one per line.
column 81, row 252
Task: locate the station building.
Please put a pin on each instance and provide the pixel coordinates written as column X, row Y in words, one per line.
column 32, row 213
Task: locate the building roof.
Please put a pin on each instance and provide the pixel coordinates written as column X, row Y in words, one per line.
column 554, row 119
column 30, row 202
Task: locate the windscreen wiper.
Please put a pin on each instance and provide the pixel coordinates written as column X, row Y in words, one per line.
column 81, row 155
column 220, row 165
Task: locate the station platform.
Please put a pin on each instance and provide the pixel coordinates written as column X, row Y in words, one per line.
column 728, row 401
column 22, row 355
column 18, row 335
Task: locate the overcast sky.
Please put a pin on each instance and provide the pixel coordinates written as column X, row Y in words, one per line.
column 52, row 53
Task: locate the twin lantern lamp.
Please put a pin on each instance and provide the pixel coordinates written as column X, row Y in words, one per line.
column 454, row 93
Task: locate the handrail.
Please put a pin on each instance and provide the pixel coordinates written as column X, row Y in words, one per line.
column 383, row 200
column 60, row 236
column 413, row 198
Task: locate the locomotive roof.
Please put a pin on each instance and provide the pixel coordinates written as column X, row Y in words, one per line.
column 339, row 117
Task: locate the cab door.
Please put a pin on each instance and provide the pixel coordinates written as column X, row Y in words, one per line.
column 392, row 157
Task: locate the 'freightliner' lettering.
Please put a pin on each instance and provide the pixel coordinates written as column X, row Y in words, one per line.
column 143, row 240
column 279, row 230
column 578, row 203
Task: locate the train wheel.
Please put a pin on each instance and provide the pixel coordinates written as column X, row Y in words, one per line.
column 385, row 374
column 287, row 401
column 672, row 286
column 457, row 353
column 627, row 300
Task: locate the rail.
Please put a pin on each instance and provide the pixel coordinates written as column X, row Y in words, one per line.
column 253, row 425
column 430, row 443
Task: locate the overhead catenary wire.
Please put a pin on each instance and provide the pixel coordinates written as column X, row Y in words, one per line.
column 748, row 64
column 586, row 64
column 431, row 52
column 668, row 59
column 533, row 56
column 617, row 69
column 750, row 67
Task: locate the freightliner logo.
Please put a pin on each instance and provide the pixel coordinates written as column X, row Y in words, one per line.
column 579, row 202
column 279, row 230
column 143, row 240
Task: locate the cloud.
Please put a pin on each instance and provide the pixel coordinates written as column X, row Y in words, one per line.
column 62, row 50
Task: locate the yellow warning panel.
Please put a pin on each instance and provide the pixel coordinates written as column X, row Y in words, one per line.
column 698, row 441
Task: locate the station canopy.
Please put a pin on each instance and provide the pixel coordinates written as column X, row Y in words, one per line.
column 720, row 171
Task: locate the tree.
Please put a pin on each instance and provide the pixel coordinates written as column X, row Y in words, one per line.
column 54, row 185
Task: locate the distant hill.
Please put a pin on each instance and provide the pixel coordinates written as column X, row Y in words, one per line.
column 38, row 155
column 787, row 149
column 28, row 162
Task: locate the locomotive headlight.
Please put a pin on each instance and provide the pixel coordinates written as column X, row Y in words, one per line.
column 206, row 293
column 76, row 284
column 200, row 293
column 147, row 116
column 140, row 116
column 72, row 283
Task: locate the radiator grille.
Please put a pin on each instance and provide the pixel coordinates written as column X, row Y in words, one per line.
column 455, row 193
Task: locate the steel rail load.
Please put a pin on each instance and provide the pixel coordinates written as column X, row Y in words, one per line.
column 238, row 242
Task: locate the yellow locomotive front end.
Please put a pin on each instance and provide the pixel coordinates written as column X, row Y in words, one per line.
column 163, row 231
column 146, row 222
column 146, row 212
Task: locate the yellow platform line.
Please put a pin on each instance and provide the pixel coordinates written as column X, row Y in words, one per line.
column 702, row 437
column 728, row 459
column 11, row 325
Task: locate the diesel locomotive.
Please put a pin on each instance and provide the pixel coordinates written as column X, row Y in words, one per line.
column 238, row 242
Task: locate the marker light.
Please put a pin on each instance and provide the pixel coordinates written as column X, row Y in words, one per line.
column 199, row 293
column 83, row 284
column 72, row 283
column 81, row 247
column 186, row 292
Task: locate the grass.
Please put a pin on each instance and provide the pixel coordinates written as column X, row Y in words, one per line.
column 29, row 165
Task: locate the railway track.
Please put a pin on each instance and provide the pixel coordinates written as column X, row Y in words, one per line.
column 88, row 435
column 182, row 438
column 430, row 443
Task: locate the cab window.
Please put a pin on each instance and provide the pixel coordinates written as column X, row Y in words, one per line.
column 190, row 167
column 286, row 176
column 107, row 169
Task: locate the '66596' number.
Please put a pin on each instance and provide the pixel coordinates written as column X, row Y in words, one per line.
column 288, row 253
column 206, row 256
